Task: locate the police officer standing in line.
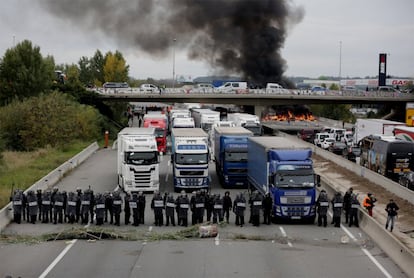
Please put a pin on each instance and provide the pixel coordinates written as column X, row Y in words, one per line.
column 337, row 203
column 347, row 203
column 108, row 207
column 33, row 206
column 218, row 209
column 85, row 205
column 46, row 206
column 58, row 206
column 199, row 207
column 72, row 207
column 169, row 209
column 17, row 200
column 192, row 208
column 239, row 208
column 78, row 203
column 25, row 209
column 52, row 202
column 133, row 204
column 227, row 205
column 92, row 205
column 322, row 204
column 267, row 209
column 256, row 207
column 353, row 220
column 127, row 207
column 182, row 206
column 100, row 209
column 157, row 204
column 39, row 202
column 117, row 208
column 209, row 205
column 65, row 204
column 141, row 207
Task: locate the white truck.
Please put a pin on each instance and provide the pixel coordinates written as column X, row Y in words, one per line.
column 366, row 127
column 183, row 123
column 205, row 118
column 248, row 121
column 190, row 158
column 138, row 161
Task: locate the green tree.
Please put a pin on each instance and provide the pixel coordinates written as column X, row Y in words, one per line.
column 85, row 71
column 97, row 68
column 24, row 72
column 115, row 68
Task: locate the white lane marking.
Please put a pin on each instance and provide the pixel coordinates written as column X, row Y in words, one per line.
column 149, row 228
column 367, row 253
column 284, row 234
column 61, row 255
column 217, row 240
column 57, row 259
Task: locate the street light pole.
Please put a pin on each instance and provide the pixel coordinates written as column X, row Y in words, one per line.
column 340, row 60
column 174, row 63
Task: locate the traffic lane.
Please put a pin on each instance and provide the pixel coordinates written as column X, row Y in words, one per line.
column 27, row 259
column 99, row 172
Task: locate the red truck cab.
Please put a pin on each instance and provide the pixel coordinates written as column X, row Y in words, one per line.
column 159, row 122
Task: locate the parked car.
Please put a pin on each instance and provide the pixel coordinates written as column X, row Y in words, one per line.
column 307, row 135
column 149, row 88
column 320, row 137
column 337, row 147
column 327, row 142
column 407, row 180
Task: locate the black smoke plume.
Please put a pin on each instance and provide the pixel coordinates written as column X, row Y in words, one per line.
column 233, row 36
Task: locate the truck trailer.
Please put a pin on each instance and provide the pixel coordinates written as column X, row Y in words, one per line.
column 248, row 121
column 366, row 127
column 278, row 167
column 138, row 161
column 230, row 154
column 190, row 158
column 205, row 118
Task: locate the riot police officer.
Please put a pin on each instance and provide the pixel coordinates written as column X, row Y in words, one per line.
column 46, row 206
column 267, row 209
column 92, row 205
column 85, row 206
column 169, row 209
column 133, row 204
column 209, row 205
column 78, row 203
column 182, row 206
column 17, row 200
column 199, row 207
column 256, row 207
column 117, row 208
column 337, row 203
column 58, row 206
column 71, row 207
column 217, row 209
column 157, row 204
column 322, row 204
column 52, row 201
column 239, row 208
column 353, row 215
column 33, row 206
column 227, row 205
column 99, row 209
column 141, row 207
column 108, row 207
column 39, row 202
column 127, row 208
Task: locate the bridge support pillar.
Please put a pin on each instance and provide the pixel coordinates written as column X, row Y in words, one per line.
column 258, row 110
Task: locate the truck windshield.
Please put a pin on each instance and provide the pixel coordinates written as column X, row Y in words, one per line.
column 296, row 181
column 159, row 132
column 257, row 130
column 235, row 156
column 141, row 158
column 191, row 158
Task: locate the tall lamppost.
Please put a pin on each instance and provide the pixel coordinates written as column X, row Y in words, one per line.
column 340, row 61
column 173, row 69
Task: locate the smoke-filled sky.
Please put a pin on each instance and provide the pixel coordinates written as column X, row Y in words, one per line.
column 260, row 39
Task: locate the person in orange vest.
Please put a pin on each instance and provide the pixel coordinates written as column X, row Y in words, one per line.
column 368, row 203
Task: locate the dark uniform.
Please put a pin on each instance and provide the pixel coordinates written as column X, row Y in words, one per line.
column 33, row 206
column 99, row 209
column 199, row 204
column 17, row 206
column 65, row 205
column 239, row 207
column 46, row 206
column 267, row 209
column 170, row 210
column 71, row 207
column 133, row 204
column 85, row 206
column 192, row 208
column 157, row 205
column 256, row 207
column 39, row 202
column 127, row 208
column 117, row 208
column 337, row 203
column 209, row 204
column 347, row 203
column 227, row 205
column 141, row 207
column 78, row 203
column 92, row 206
column 322, row 205
column 218, row 209
column 182, row 206
column 58, row 207
column 108, row 207
column 353, row 216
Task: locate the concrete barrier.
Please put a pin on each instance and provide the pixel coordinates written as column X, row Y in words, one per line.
column 48, row 181
column 391, row 245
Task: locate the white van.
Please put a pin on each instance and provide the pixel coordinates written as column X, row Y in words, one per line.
column 149, row 88
column 233, row 87
column 275, row 88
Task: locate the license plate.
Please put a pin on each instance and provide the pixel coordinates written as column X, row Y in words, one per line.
column 295, row 217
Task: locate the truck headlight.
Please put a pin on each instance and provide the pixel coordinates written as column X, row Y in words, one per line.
column 307, row 200
column 226, row 178
column 283, row 200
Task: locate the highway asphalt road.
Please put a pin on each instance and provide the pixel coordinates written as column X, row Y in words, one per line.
column 286, row 250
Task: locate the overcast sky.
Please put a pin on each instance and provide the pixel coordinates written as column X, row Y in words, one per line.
column 360, row 29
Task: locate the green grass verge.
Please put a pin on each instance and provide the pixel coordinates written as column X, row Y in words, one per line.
column 25, row 168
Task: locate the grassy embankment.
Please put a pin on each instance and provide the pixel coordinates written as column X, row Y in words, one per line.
column 25, row 168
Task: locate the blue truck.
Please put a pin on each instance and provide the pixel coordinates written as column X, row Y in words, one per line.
column 230, row 154
column 279, row 167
